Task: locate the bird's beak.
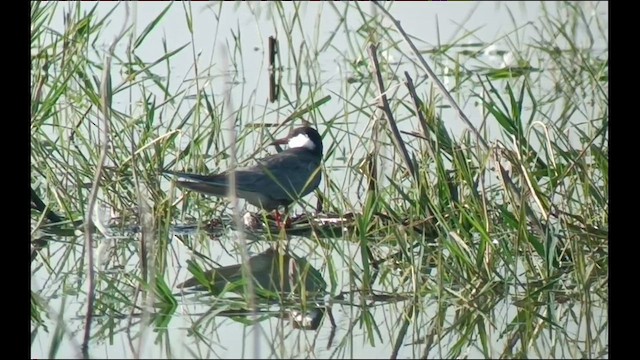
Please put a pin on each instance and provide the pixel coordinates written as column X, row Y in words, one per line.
column 282, row 141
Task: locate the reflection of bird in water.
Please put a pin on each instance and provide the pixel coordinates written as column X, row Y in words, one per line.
column 266, row 273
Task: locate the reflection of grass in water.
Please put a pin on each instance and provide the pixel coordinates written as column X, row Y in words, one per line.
column 503, row 263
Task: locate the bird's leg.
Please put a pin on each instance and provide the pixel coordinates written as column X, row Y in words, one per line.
column 282, row 221
column 287, row 219
column 278, row 219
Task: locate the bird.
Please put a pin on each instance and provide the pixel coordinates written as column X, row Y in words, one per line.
column 265, row 272
column 276, row 180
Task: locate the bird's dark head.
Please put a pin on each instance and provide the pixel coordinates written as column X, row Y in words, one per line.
column 303, row 137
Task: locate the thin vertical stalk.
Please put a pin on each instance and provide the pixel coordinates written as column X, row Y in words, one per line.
column 384, row 104
column 106, row 95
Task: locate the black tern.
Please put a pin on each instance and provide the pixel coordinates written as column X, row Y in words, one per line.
column 277, row 180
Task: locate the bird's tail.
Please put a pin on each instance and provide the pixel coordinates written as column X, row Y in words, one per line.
column 207, row 184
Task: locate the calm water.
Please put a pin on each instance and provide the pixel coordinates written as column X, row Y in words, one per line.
column 214, row 26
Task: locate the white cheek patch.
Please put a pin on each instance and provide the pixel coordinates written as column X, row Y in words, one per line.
column 301, row 140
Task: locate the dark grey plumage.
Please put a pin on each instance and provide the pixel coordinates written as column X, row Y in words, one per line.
column 277, row 180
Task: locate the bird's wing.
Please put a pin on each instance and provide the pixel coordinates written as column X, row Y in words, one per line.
column 286, row 175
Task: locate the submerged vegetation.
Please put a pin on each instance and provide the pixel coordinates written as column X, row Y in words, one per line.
column 467, row 198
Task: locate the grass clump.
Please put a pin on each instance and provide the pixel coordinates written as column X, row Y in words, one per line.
column 472, row 197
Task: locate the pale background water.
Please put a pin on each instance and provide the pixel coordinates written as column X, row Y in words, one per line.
column 432, row 23
column 500, row 26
